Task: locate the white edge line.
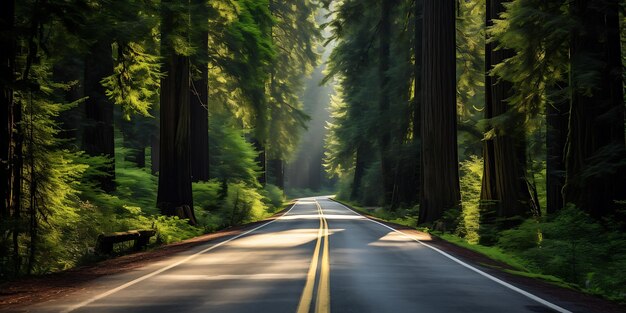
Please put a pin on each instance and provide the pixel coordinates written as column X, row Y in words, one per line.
column 159, row 271
column 497, row 280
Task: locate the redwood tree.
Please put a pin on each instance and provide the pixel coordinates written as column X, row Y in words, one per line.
column 504, row 189
column 440, row 171
column 596, row 157
column 174, row 195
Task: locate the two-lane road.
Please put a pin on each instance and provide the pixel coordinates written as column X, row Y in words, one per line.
column 318, row 257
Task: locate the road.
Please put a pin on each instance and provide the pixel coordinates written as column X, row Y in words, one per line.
column 318, row 257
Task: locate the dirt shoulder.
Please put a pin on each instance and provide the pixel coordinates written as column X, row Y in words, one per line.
column 585, row 302
column 37, row 289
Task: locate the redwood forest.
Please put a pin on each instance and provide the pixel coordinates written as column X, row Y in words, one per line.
column 491, row 131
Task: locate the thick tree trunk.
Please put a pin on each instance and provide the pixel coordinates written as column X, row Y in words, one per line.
column 388, row 177
column 504, row 187
column 174, row 195
column 440, row 171
column 199, row 97
column 595, row 171
column 98, row 137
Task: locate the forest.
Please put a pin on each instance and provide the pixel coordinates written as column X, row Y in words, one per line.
column 497, row 125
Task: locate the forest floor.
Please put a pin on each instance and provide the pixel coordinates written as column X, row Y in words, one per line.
column 31, row 290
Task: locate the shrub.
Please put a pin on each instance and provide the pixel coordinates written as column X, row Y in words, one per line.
column 273, row 196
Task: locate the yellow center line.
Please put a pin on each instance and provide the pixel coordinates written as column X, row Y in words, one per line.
column 307, row 292
column 322, row 304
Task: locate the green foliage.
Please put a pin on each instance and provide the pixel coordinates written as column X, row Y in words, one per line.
column 471, row 182
column 574, row 247
column 243, row 204
column 273, row 195
column 232, row 157
column 135, row 80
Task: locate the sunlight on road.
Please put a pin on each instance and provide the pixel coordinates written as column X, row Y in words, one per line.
column 327, row 216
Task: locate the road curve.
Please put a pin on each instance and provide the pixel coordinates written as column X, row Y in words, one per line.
column 318, row 257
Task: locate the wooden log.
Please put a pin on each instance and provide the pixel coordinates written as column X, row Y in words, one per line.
column 104, row 244
column 144, row 238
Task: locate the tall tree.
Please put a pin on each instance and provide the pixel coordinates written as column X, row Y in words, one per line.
column 596, row 156
column 440, row 171
column 504, row 187
column 174, row 195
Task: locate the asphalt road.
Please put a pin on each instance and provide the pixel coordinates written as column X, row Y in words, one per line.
column 318, row 257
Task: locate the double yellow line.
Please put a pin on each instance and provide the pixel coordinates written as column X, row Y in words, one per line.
column 322, row 302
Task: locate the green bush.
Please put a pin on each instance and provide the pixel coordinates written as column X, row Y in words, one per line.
column 274, row 196
column 470, row 181
column 572, row 246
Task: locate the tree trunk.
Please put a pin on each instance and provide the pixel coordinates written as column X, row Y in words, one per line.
column 595, row 157
column 440, row 171
column 174, row 195
column 199, row 97
column 98, row 137
column 504, row 188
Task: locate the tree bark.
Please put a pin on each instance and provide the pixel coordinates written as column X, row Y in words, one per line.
column 595, row 157
column 440, row 185
column 504, row 186
column 174, row 195
column 98, row 139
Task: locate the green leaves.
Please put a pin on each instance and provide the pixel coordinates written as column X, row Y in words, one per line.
column 135, row 81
